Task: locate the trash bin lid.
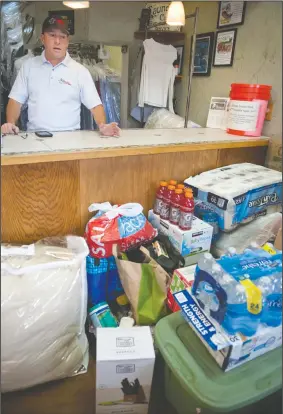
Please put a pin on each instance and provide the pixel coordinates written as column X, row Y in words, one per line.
column 201, row 377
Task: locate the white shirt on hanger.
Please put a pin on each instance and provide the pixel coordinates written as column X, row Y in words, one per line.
column 158, row 75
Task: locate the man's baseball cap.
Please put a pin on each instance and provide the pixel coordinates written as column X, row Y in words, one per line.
column 55, row 23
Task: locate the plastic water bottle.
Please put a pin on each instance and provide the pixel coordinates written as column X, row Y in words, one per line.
column 231, row 251
column 205, row 292
column 271, row 289
column 206, row 262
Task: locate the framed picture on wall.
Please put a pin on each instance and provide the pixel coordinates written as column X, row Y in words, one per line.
column 224, row 47
column 180, row 59
column 203, row 54
column 230, row 13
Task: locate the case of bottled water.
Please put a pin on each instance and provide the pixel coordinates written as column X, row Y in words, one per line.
column 241, row 291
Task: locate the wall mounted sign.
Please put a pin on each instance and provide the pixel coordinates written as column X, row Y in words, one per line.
column 224, row 47
column 67, row 16
column 203, row 54
column 231, row 13
column 158, row 15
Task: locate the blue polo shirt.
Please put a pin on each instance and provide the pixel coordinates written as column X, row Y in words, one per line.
column 54, row 93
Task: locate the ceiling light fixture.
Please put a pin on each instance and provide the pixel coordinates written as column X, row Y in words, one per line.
column 77, row 4
column 176, row 14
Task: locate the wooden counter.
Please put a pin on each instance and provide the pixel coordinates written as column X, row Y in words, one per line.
column 47, row 185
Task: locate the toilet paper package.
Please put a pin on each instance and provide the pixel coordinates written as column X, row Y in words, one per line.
column 43, row 312
column 239, row 193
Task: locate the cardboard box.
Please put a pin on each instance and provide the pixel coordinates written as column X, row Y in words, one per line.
column 192, row 244
column 124, row 369
column 181, row 280
column 229, row 351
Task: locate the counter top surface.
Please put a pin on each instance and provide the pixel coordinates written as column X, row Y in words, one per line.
column 89, row 144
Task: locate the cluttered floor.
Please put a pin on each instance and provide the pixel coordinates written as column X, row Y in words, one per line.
column 230, row 315
column 77, row 396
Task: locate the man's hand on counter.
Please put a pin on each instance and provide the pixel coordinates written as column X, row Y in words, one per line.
column 109, row 130
column 9, row 129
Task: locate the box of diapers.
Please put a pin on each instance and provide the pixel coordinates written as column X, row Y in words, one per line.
column 238, row 193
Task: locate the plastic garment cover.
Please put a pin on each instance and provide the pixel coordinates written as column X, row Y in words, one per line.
column 162, row 118
column 261, row 230
column 111, row 98
column 43, row 306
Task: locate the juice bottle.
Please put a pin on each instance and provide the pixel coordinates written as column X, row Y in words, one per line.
column 159, row 197
column 173, row 182
column 187, row 211
column 175, row 206
column 165, row 209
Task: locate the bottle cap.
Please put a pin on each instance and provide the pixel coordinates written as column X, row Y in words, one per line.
column 178, row 191
column 180, row 186
column 126, row 322
column 173, row 182
column 122, row 300
column 171, row 187
column 208, row 256
column 189, row 194
column 163, row 183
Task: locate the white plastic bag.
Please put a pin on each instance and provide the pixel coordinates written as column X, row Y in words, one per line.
column 261, row 230
column 43, row 306
column 164, row 119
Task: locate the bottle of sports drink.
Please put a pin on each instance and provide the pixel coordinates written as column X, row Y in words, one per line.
column 166, row 203
column 187, row 211
column 175, row 206
column 159, row 197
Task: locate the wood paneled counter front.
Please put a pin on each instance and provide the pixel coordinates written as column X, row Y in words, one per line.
column 48, row 184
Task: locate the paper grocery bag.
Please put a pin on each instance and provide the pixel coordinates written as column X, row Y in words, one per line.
column 145, row 285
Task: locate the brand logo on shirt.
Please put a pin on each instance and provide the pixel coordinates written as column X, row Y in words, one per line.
column 63, row 81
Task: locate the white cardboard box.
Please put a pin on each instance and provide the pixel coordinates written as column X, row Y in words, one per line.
column 191, row 243
column 122, row 357
column 229, row 351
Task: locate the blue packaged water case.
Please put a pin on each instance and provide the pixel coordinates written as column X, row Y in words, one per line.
column 241, row 291
column 206, row 213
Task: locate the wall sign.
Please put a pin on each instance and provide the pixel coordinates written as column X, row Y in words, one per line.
column 67, row 16
column 158, row 15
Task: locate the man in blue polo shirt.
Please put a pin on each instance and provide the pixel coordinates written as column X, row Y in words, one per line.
column 54, row 86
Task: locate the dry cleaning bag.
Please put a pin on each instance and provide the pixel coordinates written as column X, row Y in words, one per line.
column 43, row 307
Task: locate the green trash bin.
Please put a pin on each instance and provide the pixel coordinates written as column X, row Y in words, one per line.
column 193, row 380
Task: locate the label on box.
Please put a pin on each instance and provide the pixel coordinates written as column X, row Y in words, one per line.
column 197, row 318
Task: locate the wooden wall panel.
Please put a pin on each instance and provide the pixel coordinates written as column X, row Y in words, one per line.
column 39, row 200
column 134, row 179
column 237, row 155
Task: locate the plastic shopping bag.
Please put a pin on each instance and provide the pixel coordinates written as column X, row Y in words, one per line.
column 124, row 225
